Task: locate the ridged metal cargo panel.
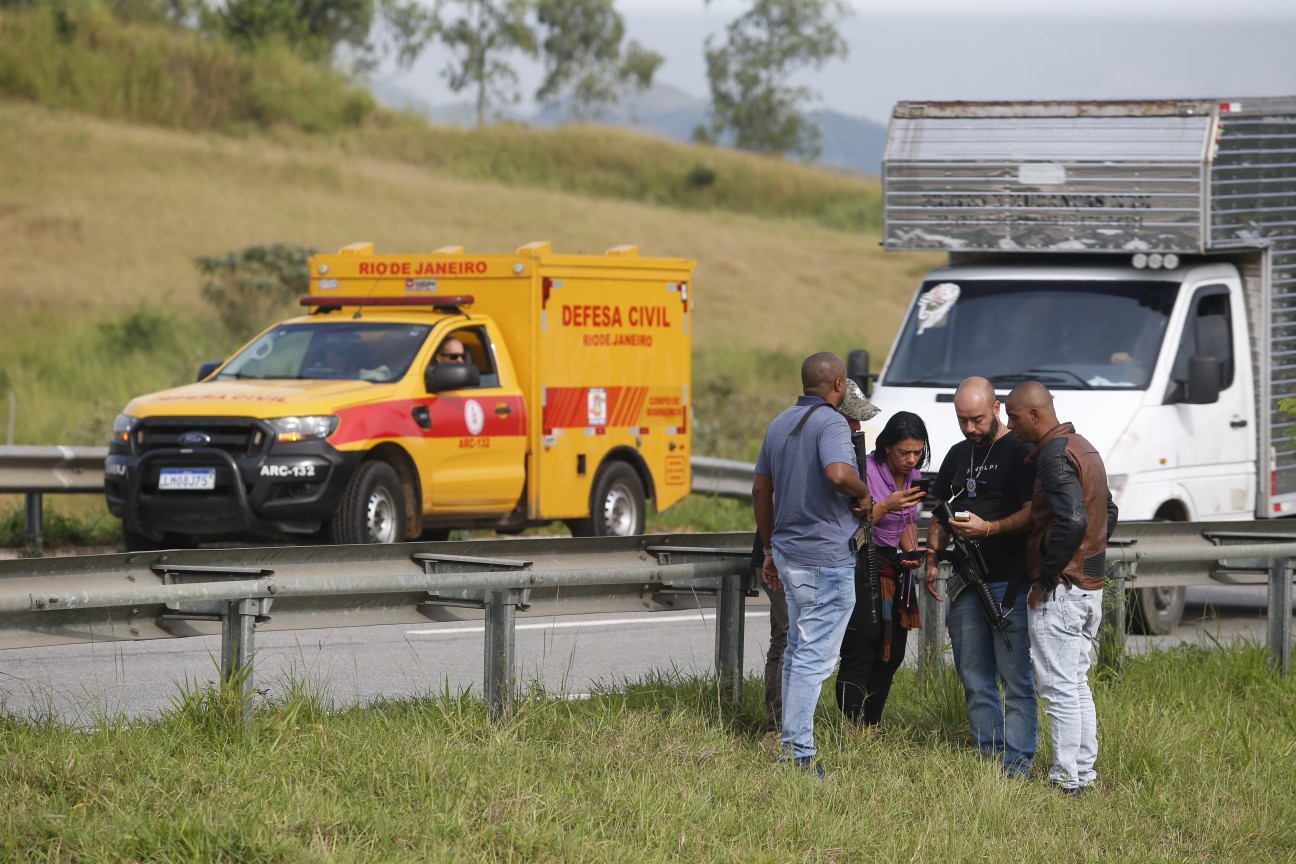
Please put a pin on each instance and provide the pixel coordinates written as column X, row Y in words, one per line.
column 1253, row 203
column 1063, row 184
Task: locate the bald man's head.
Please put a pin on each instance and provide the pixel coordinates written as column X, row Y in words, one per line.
column 1030, row 411
column 824, row 375
column 977, row 409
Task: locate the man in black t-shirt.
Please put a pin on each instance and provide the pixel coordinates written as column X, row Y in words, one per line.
column 986, row 477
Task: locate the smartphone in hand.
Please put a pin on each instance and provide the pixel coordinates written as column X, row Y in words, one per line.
column 923, row 483
column 911, row 558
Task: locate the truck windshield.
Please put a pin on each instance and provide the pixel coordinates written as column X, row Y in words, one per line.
column 354, row 350
column 1091, row 335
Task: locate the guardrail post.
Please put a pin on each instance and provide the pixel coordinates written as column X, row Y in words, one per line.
column 1111, row 633
column 730, row 629
column 1280, row 614
column 33, row 537
column 931, row 658
column 501, row 615
column 238, row 633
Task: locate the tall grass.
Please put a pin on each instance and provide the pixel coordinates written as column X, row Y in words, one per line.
column 77, row 56
column 1194, row 765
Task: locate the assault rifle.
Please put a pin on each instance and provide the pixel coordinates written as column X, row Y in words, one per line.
column 970, row 563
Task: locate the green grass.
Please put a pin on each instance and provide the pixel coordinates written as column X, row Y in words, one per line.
column 1196, row 748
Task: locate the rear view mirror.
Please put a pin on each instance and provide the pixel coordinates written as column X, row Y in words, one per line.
column 451, row 376
column 206, row 369
column 857, row 369
column 1203, row 385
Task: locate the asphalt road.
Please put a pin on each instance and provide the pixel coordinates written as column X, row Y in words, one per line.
column 572, row 655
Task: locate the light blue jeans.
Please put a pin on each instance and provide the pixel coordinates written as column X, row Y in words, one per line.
column 1063, row 631
column 819, row 601
column 1003, row 726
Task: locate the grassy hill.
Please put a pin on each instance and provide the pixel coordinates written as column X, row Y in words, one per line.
column 108, row 218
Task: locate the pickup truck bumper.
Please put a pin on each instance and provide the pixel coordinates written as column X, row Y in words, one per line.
column 294, row 490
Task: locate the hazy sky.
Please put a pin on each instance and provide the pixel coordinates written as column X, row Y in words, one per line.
column 993, row 49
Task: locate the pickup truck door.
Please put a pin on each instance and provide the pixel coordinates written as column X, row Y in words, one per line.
column 472, row 457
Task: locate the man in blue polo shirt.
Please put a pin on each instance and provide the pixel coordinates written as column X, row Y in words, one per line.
column 808, row 496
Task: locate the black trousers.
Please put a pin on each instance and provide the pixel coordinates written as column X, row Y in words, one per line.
column 864, row 679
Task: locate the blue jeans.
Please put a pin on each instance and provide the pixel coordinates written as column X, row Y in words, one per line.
column 1006, row 726
column 819, row 603
column 1063, row 630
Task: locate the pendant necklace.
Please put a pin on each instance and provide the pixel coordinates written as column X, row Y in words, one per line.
column 973, row 476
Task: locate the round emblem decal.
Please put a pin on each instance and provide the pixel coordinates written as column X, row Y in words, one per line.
column 474, row 417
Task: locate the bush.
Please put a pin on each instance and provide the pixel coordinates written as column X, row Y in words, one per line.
column 254, row 286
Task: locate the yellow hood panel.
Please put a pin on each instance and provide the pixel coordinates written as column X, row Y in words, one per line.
column 267, row 398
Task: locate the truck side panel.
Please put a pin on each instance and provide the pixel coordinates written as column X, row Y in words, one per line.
column 1253, row 203
column 614, row 365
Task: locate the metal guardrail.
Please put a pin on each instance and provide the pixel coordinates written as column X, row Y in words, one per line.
column 35, row 471
column 179, row 593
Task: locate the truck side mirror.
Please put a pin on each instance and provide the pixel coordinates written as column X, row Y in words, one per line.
column 207, row 368
column 450, row 376
column 1203, row 385
column 857, row 369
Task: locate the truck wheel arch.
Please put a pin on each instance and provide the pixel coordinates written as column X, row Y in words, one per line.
column 624, row 466
column 403, row 465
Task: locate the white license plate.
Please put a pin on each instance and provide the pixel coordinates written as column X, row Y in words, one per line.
column 187, row 479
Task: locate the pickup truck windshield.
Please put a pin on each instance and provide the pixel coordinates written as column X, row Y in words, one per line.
column 354, row 350
column 1069, row 335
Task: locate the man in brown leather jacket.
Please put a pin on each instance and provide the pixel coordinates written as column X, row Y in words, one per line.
column 1072, row 516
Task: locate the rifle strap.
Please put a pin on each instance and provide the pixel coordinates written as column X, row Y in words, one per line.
column 796, row 430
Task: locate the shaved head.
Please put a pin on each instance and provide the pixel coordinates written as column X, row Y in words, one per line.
column 1030, row 411
column 824, row 375
column 977, row 409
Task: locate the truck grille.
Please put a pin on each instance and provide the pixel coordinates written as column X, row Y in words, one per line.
column 236, row 436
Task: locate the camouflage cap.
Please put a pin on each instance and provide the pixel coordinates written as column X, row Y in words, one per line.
column 855, row 406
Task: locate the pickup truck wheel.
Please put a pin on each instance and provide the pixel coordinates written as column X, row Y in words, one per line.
column 134, row 542
column 372, row 509
column 617, row 505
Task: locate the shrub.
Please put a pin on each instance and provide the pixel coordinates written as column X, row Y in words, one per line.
column 256, row 285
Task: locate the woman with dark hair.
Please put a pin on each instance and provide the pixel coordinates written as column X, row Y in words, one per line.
column 886, row 601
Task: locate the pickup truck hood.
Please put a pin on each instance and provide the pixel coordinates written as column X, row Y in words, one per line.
column 248, row 398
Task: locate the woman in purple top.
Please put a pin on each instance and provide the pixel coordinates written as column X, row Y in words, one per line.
column 885, row 609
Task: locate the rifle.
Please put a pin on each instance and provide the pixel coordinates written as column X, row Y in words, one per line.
column 970, row 563
column 862, row 539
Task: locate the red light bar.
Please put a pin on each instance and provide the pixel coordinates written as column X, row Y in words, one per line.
column 439, row 301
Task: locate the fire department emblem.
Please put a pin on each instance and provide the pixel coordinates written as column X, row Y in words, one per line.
column 474, row 416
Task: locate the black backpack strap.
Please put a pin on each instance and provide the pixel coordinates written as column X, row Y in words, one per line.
column 796, row 430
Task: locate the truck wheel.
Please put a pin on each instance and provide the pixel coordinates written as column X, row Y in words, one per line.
column 372, row 509
column 1156, row 611
column 617, row 505
column 134, row 542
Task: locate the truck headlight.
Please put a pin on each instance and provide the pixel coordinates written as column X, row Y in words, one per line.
column 310, row 428
column 123, row 426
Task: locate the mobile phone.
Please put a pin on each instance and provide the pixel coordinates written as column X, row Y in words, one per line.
column 923, row 483
column 962, row 516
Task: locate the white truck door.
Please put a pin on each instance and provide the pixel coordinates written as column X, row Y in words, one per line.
column 1217, row 448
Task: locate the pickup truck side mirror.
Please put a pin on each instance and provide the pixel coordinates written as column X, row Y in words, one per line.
column 857, row 369
column 1203, row 385
column 450, row 376
column 207, row 368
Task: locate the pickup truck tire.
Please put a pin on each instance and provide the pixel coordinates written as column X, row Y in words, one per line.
column 372, row 508
column 618, row 507
column 135, row 542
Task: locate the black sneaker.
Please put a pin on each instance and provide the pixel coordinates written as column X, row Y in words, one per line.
column 1069, row 791
column 807, row 765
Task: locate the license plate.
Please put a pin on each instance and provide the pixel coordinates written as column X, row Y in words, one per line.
column 187, row 479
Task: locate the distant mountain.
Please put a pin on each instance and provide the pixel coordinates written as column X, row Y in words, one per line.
column 849, row 143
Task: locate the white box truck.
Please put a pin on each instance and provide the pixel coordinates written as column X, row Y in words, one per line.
column 1139, row 259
